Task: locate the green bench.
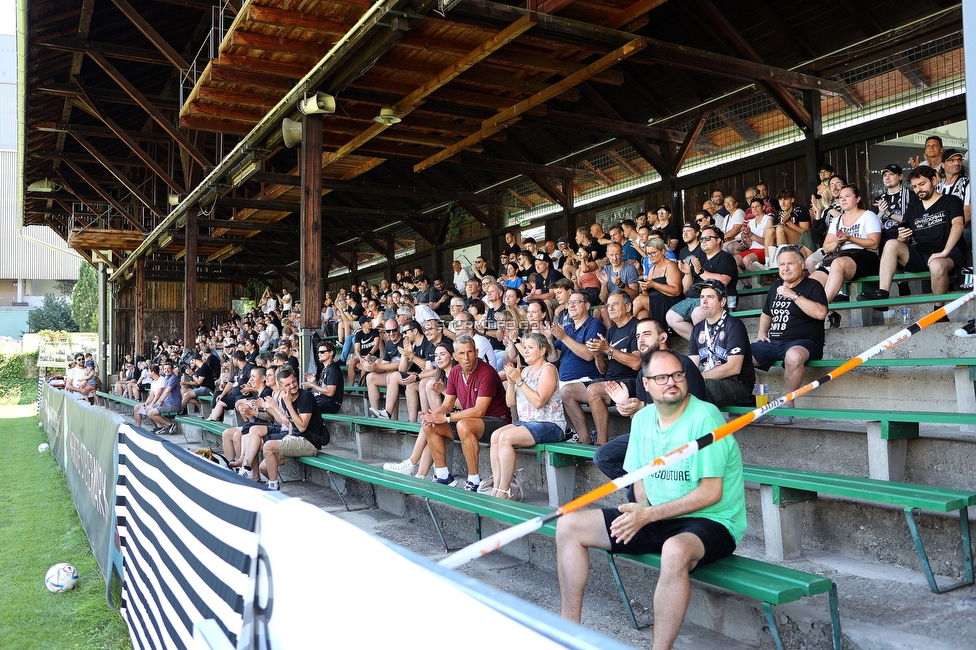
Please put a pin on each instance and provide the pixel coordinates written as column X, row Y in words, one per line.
column 897, row 301
column 767, row 583
column 131, row 403
column 364, row 428
column 782, row 490
column 888, row 432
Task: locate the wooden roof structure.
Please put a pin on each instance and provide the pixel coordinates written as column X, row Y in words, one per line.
column 138, row 111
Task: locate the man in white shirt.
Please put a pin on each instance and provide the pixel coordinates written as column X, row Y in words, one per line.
column 460, row 276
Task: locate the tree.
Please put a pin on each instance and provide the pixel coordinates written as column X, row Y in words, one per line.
column 54, row 314
column 65, row 286
column 84, row 299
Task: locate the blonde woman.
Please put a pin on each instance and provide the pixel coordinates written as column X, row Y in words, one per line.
column 534, row 391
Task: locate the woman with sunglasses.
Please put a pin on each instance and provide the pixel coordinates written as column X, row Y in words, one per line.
column 661, row 287
column 326, row 382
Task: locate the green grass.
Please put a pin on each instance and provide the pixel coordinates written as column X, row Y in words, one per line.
column 39, row 527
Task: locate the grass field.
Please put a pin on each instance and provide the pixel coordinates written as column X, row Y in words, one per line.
column 38, row 528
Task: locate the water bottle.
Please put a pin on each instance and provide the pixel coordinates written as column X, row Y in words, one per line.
column 905, row 316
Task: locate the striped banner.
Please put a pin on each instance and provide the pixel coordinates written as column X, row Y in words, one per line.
column 188, row 531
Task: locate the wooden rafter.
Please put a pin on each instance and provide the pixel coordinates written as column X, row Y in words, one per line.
column 504, row 118
column 686, row 147
column 143, row 26
column 122, row 210
column 411, row 101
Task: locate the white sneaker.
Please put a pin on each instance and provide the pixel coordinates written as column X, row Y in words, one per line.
column 245, row 472
column 403, row 467
column 379, row 413
column 967, row 331
column 759, row 266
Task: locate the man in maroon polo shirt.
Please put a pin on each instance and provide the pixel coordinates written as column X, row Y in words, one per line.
column 476, row 388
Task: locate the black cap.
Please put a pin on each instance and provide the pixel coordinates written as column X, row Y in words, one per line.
column 543, row 257
column 665, row 208
column 196, row 357
column 893, row 168
column 694, row 225
column 949, row 153
column 711, row 283
column 562, row 240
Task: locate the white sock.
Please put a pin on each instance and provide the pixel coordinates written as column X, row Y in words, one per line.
column 475, row 478
column 441, row 472
column 272, row 484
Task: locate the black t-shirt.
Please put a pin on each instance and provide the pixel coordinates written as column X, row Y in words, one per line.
column 623, row 339
column 364, row 341
column 722, row 263
column 391, row 351
column 684, row 254
column 799, row 215
column 673, row 230
column 305, row 403
column 423, row 351
column 544, row 283
column 790, row 323
column 208, row 378
column 213, row 362
column 331, row 375
column 931, row 226
column 239, row 378
column 293, row 362
column 724, row 339
column 491, row 323
column 693, row 377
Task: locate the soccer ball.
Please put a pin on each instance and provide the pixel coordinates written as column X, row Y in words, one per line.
column 41, row 448
column 61, row 577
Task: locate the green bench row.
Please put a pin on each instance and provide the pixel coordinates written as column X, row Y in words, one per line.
column 768, row 583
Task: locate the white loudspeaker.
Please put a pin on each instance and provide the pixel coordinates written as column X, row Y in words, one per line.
column 291, row 132
column 317, row 103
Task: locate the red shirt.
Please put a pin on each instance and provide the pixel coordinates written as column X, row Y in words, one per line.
column 482, row 382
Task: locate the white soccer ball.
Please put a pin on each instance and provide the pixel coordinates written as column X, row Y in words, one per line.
column 61, row 577
column 41, row 448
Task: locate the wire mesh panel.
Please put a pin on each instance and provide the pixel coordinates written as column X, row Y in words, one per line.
column 914, row 77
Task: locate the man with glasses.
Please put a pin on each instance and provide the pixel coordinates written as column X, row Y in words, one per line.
column 616, row 359
column 791, row 325
column 692, row 513
column 652, row 335
column 426, row 294
column 720, row 346
column 76, row 378
column 414, row 351
column 570, row 335
column 718, row 265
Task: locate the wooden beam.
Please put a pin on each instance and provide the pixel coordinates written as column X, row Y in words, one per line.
column 105, row 194
column 260, row 204
column 686, row 147
column 147, row 106
column 262, row 66
column 232, row 224
column 552, row 6
column 143, row 26
column 504, row 118
column 639, row 144
column 108, row 49
column 516, row 166
column 97, row 131
column 190, row 279
column 299, row 19
column 911, row 71
column 119, row 175
column 124, row 137
column 299, row 48
column 107, row 95
column 631, row 13
column 414, row 99
column 362, row 187
column 245, row 78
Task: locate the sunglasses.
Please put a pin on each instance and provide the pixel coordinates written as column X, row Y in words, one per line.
column 699, row 220
column 322, row 351
column 707, row 238
column 393, row 331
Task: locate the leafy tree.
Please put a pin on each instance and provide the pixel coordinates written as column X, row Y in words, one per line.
column 84, row 299
column 65, row 286
column 54, row 314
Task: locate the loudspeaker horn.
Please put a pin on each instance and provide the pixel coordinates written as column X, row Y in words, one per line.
column 317, row 103
column 291, row 132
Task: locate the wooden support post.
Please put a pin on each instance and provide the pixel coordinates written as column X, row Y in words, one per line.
column 190, row 279
column 813, row 159
column 104, row 351
column 311, row 234
column 139, row 344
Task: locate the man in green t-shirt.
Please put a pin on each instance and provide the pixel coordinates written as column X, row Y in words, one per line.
column 692, row 513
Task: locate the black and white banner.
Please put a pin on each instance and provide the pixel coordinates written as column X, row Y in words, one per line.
column 188, row 534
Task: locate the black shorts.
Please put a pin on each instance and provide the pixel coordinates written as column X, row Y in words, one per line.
column 866, row 263
column 491, row 423
column 918, row 262
column 230, row 399
column 715, row 537
column 766, row 353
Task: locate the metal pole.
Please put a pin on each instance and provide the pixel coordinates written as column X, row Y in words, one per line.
column 104, row 354
column 969, row 58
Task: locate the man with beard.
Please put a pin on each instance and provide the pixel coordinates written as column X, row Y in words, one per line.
column 692, row 513
column 720, row 345
column 927, row 239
